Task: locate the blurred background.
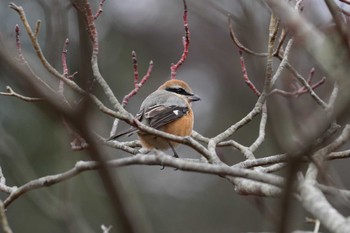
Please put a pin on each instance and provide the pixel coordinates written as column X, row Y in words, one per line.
column 34, row 143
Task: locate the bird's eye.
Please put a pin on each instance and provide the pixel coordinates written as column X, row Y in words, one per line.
column 179, row 91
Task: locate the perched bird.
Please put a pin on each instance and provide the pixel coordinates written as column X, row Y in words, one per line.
column 167, row 109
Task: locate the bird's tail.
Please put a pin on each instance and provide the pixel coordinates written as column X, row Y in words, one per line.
column 127, row 132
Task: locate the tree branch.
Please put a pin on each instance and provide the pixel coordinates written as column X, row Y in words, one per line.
column 156, row 158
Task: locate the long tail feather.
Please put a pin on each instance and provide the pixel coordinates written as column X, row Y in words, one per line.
column 127, row 132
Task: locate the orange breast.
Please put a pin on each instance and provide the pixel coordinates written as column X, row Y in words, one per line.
column 181, row 127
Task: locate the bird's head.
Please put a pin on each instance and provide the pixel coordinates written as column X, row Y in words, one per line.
column 180, row 88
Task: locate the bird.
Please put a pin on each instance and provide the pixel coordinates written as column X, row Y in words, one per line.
column 167, row 109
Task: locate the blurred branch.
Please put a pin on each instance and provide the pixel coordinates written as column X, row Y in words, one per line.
column 302, row 90
column 22, row 58
column 93, row 35
column 307, row 86
column 316, row 44
column 105, row 229
column 314, row 201
column 10, row 92
column 341, row 26
column 249, row 177
column 75, row 119
column 245, row 75
column 4, row 223
column 3, row 187
column 53, row 71
column 100, row 9
column 281, row 40
column 238, row 43
column 284, row 63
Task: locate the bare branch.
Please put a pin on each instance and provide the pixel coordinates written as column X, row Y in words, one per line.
column 307, row 86
column 333, row 97
column 137, row 85
column 245, row 75
column 238, row 43
column 283, row 63
column 10, row 92
column 262, row 127
column 100, row 9
column 302, row 90
column 64, row 68
column 314, row 201
column 186, row 44
column 37, row 28
column 3, row 187
column 281, row 40
column 122, row 114
column 4, row 223
column 157, row 158
column 24, row 61
column 93, row 35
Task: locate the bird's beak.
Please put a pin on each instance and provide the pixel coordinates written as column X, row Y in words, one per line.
column 194, row 98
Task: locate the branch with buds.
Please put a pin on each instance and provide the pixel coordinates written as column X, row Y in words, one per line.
column 251, row 176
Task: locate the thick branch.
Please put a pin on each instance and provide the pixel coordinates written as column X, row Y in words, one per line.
column 157, row 158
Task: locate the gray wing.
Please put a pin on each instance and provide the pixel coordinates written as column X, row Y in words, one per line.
column 157, row 112
column 160, row 115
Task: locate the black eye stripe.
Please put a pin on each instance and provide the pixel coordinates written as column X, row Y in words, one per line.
column 178, row 90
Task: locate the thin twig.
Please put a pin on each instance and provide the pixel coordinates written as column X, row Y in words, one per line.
column 64, row 68
column 137, row 85
column 238, row 43
column 122, row 114
column 281, row 40
column 258, row 106
column 245, row 75
column 279, row 56
column 10, row 92
column 37, row 28
column 302, row 90
column 306, row 85
column 93, row 35
column 100, row 9
column 24, row 61
column 185, row 42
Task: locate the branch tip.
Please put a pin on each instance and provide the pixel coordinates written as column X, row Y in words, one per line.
column 37, row 28
column 185, row 42
column 15, row 7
